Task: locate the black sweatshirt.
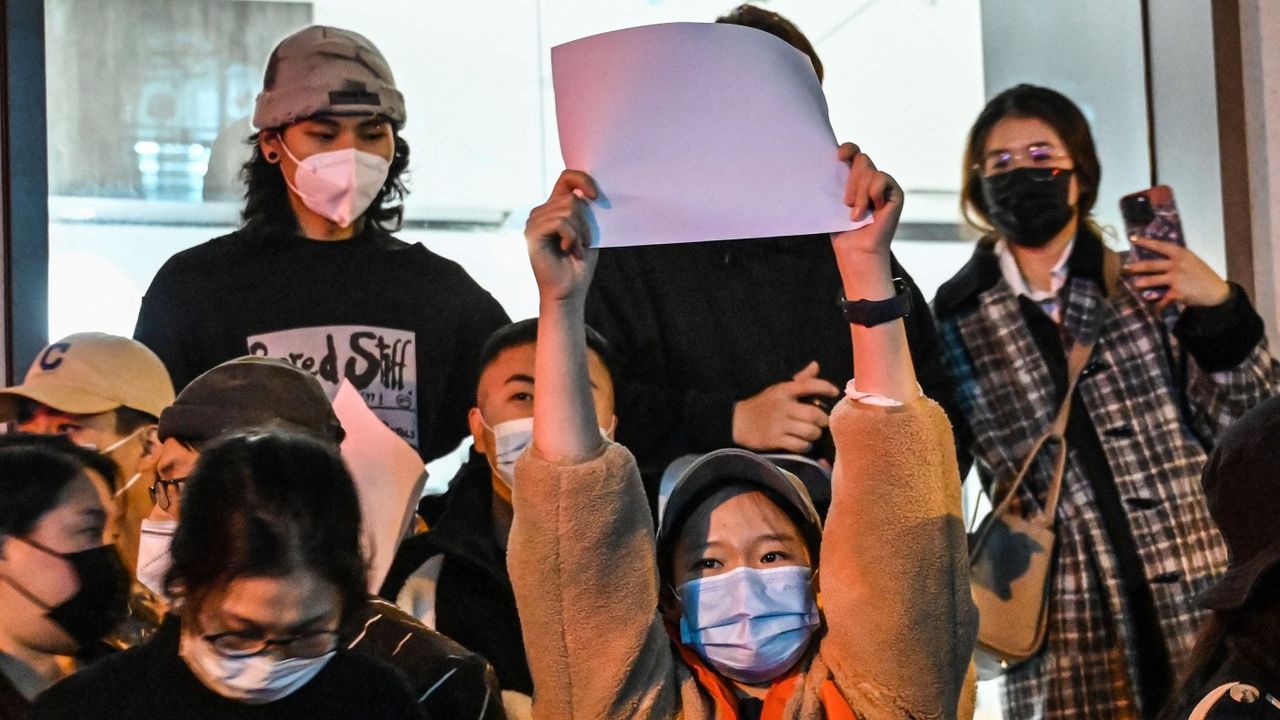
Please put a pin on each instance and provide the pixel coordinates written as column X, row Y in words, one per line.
column 695, row 328
column 153, row 681
column 403, row 324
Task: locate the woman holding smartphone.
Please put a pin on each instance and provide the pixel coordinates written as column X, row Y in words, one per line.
column 1135, row 542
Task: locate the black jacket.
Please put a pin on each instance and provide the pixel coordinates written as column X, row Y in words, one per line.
column 474, row 602
column 447, row 680
column 153, row 681
column 404, row 325
column 1256, row 700
column 695, row 328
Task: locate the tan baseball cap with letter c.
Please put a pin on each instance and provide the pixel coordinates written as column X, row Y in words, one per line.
column 91, row 373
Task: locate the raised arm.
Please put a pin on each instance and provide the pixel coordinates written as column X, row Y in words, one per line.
column 884, row 364
column 559, row 240
column 581, row 550
column 894, row 573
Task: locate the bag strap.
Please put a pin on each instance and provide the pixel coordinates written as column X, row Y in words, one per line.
column 1076, row 361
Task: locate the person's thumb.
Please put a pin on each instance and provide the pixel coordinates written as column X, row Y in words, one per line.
column 809, row 371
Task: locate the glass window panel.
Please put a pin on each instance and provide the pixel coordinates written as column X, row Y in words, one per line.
column 149, row 102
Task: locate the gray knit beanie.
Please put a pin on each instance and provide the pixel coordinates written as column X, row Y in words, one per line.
column 323, row 70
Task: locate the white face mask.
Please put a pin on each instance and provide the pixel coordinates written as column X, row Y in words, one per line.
column 153, row 553
column 339, row 184
column 115, row 446
column 127, row 484
column 255, row 679
column 510, row 439
column 750, row 624
column 120, row 443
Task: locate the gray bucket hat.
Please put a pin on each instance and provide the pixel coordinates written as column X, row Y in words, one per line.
column 323, row 70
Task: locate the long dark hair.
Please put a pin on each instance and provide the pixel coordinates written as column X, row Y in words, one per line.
column 266, row 197
column 1252, row 630
column 1056, row 110
column 268, row 504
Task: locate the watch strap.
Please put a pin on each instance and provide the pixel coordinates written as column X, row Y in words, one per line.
column 870, row 313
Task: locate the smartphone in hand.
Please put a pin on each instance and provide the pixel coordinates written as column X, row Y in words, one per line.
column 1153, row 214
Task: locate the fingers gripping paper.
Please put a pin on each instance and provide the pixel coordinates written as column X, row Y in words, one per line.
column 698, row 131
column 388, row 475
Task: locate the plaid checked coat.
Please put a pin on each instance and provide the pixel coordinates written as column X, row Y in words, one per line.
column 1155, row 410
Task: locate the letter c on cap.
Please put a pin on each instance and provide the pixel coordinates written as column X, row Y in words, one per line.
column 47, row 359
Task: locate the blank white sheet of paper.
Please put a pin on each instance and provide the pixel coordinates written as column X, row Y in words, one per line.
column 388, row 475
column 698, row 131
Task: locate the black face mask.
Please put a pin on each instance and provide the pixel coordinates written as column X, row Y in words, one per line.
column 101, row 603
column 1029, row 205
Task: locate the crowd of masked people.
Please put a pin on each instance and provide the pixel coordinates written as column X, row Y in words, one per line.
column 716, row 480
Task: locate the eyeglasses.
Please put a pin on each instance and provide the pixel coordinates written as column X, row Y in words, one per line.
column 161, row 491
column 1036, row 155
column 307, row 645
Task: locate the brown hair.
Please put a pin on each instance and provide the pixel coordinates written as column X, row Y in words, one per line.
column 776, row 25
column 1055, row 109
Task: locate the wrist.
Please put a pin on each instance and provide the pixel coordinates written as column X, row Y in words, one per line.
column 865, row 271
column 569, row 306
column 874, row 308
column 1222, row 296
column 861, row 255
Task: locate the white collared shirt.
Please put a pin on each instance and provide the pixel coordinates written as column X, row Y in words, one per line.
column 1048, row 300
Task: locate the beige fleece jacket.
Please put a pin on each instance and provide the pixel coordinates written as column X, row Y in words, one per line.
column 899, row 619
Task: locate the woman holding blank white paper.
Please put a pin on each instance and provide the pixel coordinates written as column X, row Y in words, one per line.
column 742, row 629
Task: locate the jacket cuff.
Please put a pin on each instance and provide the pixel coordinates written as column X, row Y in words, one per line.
column 1221, row 337
column 708, row 420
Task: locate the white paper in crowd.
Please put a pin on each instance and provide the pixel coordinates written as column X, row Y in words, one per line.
column 388, row 474
column 698, row 131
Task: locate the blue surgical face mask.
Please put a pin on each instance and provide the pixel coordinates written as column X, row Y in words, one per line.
column 751, row 625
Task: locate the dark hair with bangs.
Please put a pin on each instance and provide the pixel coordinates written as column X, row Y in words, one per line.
column 1056, row 110
column 666, row 545
column 34, row 472
column 84, row 457
column 266, row 196
column 268, row 504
